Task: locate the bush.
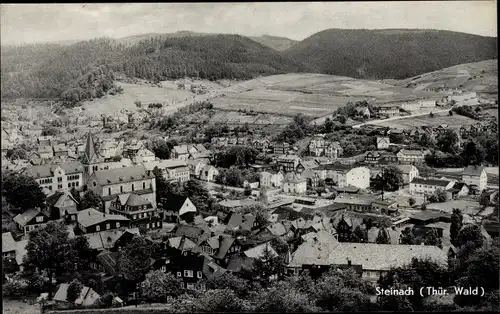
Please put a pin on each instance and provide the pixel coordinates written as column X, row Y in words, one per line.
column 15, row 288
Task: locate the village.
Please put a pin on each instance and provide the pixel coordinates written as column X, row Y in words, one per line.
column 226, row 203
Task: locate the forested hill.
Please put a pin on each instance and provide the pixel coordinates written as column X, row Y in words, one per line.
column 398, row 54
column 43, row 71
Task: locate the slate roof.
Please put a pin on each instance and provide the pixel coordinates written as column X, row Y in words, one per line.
column 121, row 175
column 258, row 251
column 107, row 239
column 108, row 260
column 319, row 236
column 293, row 178
column 87, row 296
column 27, row 216
column 165, row 164
column 238, row 220
column 181, row 243
column 236, row 263
column 238, row 203
column 191, row 232
column 58, row 198
column 211, row 269
column 136, row 200
column 8, row 242
column 405, row 168
column 277, row 229
column 47, row 170
column 89, row 217
column 428, row 181
column 474, row 171
column 174, row 202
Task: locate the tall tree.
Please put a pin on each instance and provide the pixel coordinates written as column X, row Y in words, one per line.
column 74, row 290
column 135, row 259
column 90, row 199
column 448, row 141
column 383, row 237
column 360, row 234
column 407, row 237
column 159, row 285
column 473, row 153
column 455, row 226
column 49, row 249
column 392, row 179
column 23, row 192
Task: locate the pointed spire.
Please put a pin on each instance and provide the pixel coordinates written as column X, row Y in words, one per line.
column 288, row 257
column 90, row 150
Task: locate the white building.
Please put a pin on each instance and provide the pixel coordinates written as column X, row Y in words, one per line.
column 52, row 178
column 294, row 183
column 475, row 175
column 344, row 175
column 209, row 173
column 409, row 172
column 172, row 169
column 383, row 142
column 271, row 179
column 421, row 185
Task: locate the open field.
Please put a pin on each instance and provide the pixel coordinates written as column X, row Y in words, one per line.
column 316, row 95
column 454, row 122
column 481, row 77
column 468, row 207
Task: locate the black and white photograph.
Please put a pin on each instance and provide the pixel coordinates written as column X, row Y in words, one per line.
column 243, row 157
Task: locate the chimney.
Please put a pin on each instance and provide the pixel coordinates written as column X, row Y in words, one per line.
column 349, row 262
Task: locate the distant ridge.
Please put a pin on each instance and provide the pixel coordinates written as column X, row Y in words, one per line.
column 389, row 53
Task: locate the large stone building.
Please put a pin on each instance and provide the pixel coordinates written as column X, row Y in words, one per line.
column 319, row 147
column 475, row 176
column 345, row 175
column 52, row 178
column 109, row 184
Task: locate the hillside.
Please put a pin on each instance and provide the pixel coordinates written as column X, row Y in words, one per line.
column 397, row 54
column 481, row 77
column 51, row 71
column 274, row 42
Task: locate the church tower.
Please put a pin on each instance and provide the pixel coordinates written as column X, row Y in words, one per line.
column 91, row 159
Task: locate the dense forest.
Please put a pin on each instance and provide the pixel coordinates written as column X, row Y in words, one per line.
column 398, row 54
column 84, row 70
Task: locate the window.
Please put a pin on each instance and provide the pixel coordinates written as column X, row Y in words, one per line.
column 69, row 185
column 182, row 285
column 94, row 184
column 134, row 217
column 59, row 179
column 190, row 286
column 121, row 188
column 199, row 274
column 147, row 226
column 108, row 226
column 97, row 228
column 179, row 274
column 39, row 219
column 133, row 187
column 188, row 273
column 77, row 183
column 59, row 186
column 117, row 225
column 50, row 188
column 164, row 268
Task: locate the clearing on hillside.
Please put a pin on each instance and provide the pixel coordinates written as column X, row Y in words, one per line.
column 454, row 122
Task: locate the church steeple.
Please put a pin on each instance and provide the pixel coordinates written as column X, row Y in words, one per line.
column 91, row 158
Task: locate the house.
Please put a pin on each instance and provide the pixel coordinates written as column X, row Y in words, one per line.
column 91, row 220
column 30, row 220
column 411, row 156
column 192, row 233
column 281, row 148
column 345, row 175
column 383, row 142
column 312, row 178
column 261, row 145
column 421, row 185
column 218, row 247
column 182, row 151
column 87, row 297
column 138, row 210
column 293, row 183
column 53, row 177
column 182, row 243
column 271, row 179
column 386, row 207
column 409, row 172
column 44, row 140
column 109, row 184
column 457, row 190
column 411, row 106
column 374, row 259
column 241, row 222
column 209, row 173
column 364, row 111
column 355, row 202
column 109, row 239
column 62, row 205
column 144, row 155
column 45, row 152
column 288, row 163
column 258, row 251
column 60, row 150
column 373, row 157
column 389, row 109
column 189, row 268
column 196, row 167
column 172, row 169
column 178, row 207
column 8, row 245
column 475, row 176
column 110, row 149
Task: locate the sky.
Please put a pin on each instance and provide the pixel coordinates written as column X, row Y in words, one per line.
column 35, row 23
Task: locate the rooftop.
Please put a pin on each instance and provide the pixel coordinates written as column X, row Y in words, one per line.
column 90, row 216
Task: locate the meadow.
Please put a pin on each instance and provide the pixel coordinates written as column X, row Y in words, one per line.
column 454, row 122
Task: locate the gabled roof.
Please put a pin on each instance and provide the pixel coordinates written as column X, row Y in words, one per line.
column 474, row 171
column 8, row 242
column 238, row 220
column 58, row 198
column 277, row 229
column 89, row 217
column 174, row 202
column 237, row 263
column 428, row 181
column 136, row 200
column 258, row 251
column 107, row 239
column 165, row 164
column 121, row 175
column 409, row 152
column 188, row 231
column 24, row 218
column 47, row 170
column 90, row 155
column 181, row 243
column 405, row 168
column 87, row 296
